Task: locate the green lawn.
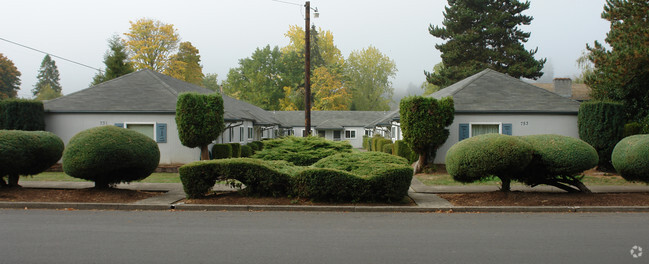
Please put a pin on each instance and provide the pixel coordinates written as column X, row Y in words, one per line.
column 60, row 176
column 445, row 179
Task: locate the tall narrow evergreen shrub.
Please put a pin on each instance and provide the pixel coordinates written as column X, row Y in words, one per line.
column 200, row 120
column 601, row 124
column 21, row 114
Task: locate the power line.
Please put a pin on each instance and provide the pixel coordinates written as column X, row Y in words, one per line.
column 59, row 57
column 285, row 2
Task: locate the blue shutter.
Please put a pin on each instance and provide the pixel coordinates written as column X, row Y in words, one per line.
column 161, row 133
column 119, row 125
column 507, row 129
column 464, row 131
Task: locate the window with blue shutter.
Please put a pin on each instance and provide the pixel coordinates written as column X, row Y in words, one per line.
column 161, row 133
column 119, row 125
column 507, row 129
column 464, row 131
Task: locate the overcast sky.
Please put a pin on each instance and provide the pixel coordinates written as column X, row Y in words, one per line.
column 226, row 31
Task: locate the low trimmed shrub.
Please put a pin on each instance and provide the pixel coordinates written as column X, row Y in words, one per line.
column 387, row 148
column 27, row 153
column 330, row 185
column 246, row 151
column 261, row 178
column 479, row 157
column 301, row 151
column 387, row 177
column 557, row 161
column 381, row 142
column 401, row 149
column 366, row 142
column 256, row 145
column 221, row 151
column 236, row 150
column 374, row 142
column 632, row 128
column 109, row 155
column 631, row 158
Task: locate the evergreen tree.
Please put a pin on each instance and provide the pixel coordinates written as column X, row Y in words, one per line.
column 9, row 78
column 116, row 61
column 622, row 73
column 185, row 65
column 483, row 34
column 48, row 74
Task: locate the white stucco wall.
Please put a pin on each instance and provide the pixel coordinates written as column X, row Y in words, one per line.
column 522, row 125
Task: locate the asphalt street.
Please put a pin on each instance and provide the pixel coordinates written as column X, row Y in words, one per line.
column 50, row 236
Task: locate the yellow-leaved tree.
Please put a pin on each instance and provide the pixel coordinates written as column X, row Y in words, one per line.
column 185, row 65
column 329, row 91
column 151, row 43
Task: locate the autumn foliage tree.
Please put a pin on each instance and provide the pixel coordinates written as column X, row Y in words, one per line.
column 9, row 78
column 151, row 43
column 622, row 72
column 368, row 73
column 185, row 65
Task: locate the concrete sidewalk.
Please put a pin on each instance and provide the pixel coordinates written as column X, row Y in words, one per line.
column 424, row 196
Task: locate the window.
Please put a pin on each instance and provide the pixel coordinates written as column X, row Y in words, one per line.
column 289, row 132
column 337, row 135
column 146, row 129
column 481, row 129
column 476, row 129
column 368, row 133
column 241, row 137
column 250, row 132
column 321, row 133
column 304, row 133
column 350, row 134
column 231, row 132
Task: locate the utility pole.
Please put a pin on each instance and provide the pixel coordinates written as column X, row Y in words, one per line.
column 307, row 69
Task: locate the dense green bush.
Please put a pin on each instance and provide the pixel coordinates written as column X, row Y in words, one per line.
column 200, row 120
column 401, row 149
column 424, row 123
column 366, row 142
column 381, row 142
column 374, row 141
column 109, row 155
column 330, row 185
column 27, row 153
column 601, row 124
column 236, row 150
column 22, row 114
column 644, row 125
column 557, row 161
column 631, row 158
column 221, row 151
column 301, row 151
column 387, row 177
column 387, row 148
column 261, row 178
column 632, row 128
column 256, row 145
column 246, row 151
column 479, row 157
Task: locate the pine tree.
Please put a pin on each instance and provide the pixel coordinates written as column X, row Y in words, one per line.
column 116, row 61
column 622, row 73
column 48, row 74
column 483, row 34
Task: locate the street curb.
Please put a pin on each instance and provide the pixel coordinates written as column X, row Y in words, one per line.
column 301, row 208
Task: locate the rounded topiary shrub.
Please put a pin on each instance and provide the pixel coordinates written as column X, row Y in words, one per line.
column 301, row 151
column 631, row 158
column 246, row 151
column 557, row 160
column 236, row 150
column 109, row 155
column 479, row 157
column 27, row 153
column 221, row 151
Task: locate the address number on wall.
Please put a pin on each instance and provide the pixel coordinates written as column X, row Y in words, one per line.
column 524, row 123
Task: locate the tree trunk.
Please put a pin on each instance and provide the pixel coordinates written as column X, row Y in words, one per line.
column 506, row 184
column 205, row 153
column 13, row 180
column 421, row 163
column 101, row 185
column 3, row 183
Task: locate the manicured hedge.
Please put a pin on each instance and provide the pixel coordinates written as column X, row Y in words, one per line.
column 632, row 128
column 27, row 153
column 261, row 178
column 631, row 158
column 330, row 185
column 381, row 142
column 236, row 150
column 558, row 160
column 109, row 155
column 401, row 149
column 374, row 142
column 601, row 124
column 366, row 142
column 387, row 148
column 479, row 157
column 221, row 151
column 22, row 114
column 200, row 120
column 256, row 145
column 301, row 151
column 246, row 151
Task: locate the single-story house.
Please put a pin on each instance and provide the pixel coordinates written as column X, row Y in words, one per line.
column 146, row 101
column 493, row 102
column 332, row 125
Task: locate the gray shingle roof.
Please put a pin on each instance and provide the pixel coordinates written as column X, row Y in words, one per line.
column 147, row 91
column 385, row 120
column 328, row 119
column 490, row 91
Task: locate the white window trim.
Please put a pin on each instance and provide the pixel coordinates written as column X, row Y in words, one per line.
column 250, row 132
column 302, row 131
column 351, row 130
column 500, row 126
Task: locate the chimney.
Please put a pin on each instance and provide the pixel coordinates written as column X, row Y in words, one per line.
column 563, row 87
